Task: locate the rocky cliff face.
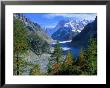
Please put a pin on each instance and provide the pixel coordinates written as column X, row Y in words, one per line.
column 39, row 45
column 32, row 28
column 37, row 37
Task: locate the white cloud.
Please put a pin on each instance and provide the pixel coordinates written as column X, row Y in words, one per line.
column 89, row 16
column 50, row 26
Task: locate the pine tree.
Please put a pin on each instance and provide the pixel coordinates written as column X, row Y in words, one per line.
column 20, row 43
column 81, row 58
column 57, row 54
column 92, row 56
column 66, row 66
column 69, row 66
column 55, row 59
column 69, row 59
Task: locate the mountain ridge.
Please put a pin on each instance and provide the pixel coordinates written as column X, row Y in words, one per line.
column 90, row 30
column 32, row 27
column 66, row 29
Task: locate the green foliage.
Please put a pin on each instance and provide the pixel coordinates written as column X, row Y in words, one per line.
column 69, row 70
column 81, row 61
column 49, row 66
column 88, row 58
column 20, row 45
column 35, row 70
column 69, row 59
column 55, row 60
column 86, row 64
column 92, row 56
column 57, row 54
column 69, row 67
column 81, row 58
column 21, row 63
column 20, row 38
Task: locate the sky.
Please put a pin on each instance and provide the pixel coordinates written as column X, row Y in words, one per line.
column 50, row 20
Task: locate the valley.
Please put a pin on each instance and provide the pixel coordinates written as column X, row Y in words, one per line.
column 44, row 51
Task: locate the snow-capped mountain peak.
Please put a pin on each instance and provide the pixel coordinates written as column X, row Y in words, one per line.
column 66, row 29
column 76, row 25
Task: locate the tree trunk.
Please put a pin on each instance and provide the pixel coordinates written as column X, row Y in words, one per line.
column 17, row 64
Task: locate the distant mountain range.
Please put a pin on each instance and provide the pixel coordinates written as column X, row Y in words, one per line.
column 78, row 31
column 67, row 29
